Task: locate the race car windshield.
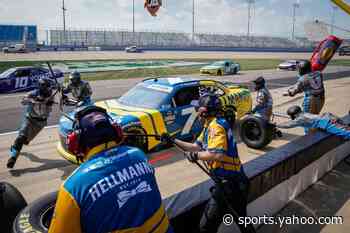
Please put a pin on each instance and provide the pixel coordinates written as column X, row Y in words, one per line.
column 143, row 97
column 6, row 73
column 219, row 63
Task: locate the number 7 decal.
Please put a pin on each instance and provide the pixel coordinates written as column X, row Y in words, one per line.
column 190, row 121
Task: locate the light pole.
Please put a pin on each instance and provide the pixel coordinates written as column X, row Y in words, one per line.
column 133, row 16
column 250, row 3
column 64, row 21
column 192, row 21
column 295, row 6
column 333, row 19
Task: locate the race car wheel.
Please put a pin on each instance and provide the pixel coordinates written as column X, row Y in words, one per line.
column 11, row 203
column 219, row 73
column 235, row 71
column 36, row 217
column 256, row 132
column 136, row 141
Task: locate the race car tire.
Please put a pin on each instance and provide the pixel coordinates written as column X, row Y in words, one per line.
column 219, row 73
column 36, row 217
column 235, row 71
column 11, row 203
column 136, row 141
column 256, row 132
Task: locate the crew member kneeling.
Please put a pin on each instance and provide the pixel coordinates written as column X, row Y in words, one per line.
column 327, row 122
column 217, row 147
column 114, row 189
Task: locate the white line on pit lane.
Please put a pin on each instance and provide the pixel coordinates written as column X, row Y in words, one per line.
column 12, row 96
column 16, row 132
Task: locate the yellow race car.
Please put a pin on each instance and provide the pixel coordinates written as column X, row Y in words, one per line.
column 161, row 105
column 221, row 68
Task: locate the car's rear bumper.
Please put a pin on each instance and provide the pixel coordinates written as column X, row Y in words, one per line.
column 210, row 72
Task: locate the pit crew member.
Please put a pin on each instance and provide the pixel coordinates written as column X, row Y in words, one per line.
column 311, row 83
column 217, row 147
column 114, row 189
column 264, row 100
column 327, row 122
column 80, row 90
column 39, row 106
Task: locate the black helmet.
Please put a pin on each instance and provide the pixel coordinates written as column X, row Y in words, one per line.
column 304, row 67
column 74, row 77
column 294, row 111
column 44, row 86
column 211, row 103
column 259, row 82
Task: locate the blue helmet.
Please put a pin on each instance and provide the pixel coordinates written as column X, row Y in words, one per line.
column 211, row 103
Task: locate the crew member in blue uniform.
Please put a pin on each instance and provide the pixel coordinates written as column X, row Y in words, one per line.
column 80, row 90
column 114, row 189
column 327, row 122
column 38, row 109
column 264, row 101
column 217, row 147
column 311, row 83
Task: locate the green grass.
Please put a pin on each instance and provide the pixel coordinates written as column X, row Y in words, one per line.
column 246, row 64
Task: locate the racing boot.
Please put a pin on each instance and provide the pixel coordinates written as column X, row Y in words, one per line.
column 13, row 157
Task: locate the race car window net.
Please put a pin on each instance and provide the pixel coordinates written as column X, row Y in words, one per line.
column 186, row 95
column 143, row 97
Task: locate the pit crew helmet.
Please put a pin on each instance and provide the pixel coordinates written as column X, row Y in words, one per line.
column 294, row 111
column 304, row 67
column 92, row 127
column 259, row 83
column 209, row 105
column 44, row 87
column 75, row 77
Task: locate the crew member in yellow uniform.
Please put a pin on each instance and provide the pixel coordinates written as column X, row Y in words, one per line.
column 217, row 147
column 114, row 189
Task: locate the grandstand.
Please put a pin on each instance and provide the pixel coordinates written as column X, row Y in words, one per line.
column 86, row 38
column 18, row 34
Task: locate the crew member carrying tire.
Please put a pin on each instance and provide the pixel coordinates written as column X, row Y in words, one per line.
column 311, row 83
column 217, row 147
column 114, row 189
column 327, row 122
column 81, row 90
column 264, row 101
column 39, row 106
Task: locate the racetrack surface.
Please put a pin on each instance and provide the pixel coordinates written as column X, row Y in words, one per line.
column 41, row 170
column 12, row 110
column 121, row 55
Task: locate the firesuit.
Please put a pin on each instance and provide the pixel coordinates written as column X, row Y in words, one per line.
column 327, row 122
column 38, row 108
column 264, row 101
column 81, row 90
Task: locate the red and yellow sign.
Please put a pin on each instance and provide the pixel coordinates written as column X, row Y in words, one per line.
column 324, row 52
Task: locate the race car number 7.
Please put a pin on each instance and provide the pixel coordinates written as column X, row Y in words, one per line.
column 190, row 121
column 21, row 82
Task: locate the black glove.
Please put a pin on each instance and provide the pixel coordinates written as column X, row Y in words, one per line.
column 166, row 138
column 192, row 156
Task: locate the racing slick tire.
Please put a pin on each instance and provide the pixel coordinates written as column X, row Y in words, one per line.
column 136, row 141
column 256, row 132
column 11, row 203
column 235, row 71
column 219, row 73
column 36, row 217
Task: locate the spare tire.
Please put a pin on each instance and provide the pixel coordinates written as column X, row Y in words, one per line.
column 36, row 217
column 256, row 132
column 11, row 203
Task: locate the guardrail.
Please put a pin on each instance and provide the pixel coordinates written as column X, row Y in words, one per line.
column 276, row 178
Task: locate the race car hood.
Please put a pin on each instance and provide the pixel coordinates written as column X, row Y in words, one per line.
column 211, row 67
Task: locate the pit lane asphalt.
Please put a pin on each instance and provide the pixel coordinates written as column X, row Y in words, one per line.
column 11, row 110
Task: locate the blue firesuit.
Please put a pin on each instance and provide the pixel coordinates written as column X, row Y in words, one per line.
column 113, row 191
column 327, row 122
column 314, row 94
column 264, row 103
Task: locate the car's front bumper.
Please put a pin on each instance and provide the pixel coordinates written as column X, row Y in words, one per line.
column 62, row 150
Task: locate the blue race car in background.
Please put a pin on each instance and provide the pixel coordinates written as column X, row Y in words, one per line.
column 20, row 79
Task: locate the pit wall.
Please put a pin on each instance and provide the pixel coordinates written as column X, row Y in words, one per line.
column 276, row 178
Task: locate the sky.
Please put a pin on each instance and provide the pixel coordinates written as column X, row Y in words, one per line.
column 269, row 17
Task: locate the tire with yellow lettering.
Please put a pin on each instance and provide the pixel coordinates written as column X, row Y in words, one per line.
column 36, row 217
column 11, row 203
column 256, row 132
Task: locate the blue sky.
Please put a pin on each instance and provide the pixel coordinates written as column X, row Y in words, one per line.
column 270, row 17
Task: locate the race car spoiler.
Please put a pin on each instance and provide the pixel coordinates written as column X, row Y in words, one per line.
column 276, row 177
